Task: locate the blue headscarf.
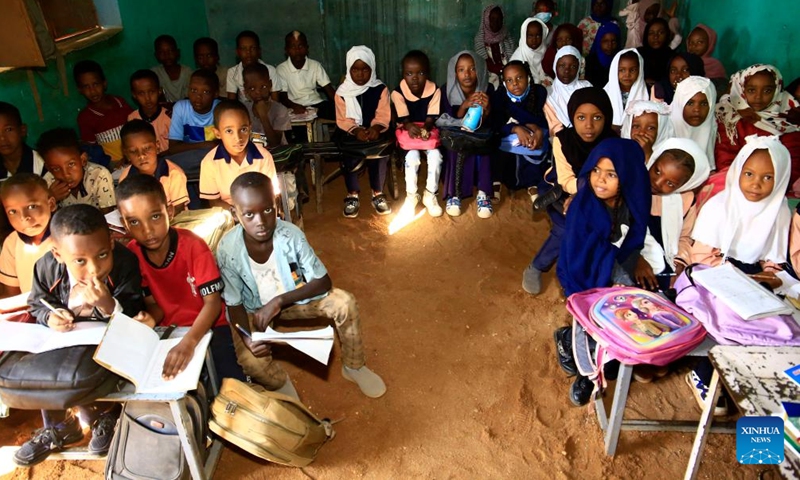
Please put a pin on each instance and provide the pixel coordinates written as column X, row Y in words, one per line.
column 587, row 255
column 606, row 18
column 609, row 27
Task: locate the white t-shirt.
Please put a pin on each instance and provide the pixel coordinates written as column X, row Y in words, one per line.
column 266, row 275
column 235, row 82
column 302, row 83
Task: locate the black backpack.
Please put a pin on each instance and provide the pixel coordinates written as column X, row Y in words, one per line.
column 146, row 444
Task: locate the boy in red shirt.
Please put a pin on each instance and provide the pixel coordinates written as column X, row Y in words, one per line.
column 104, row 115
column 181, row 281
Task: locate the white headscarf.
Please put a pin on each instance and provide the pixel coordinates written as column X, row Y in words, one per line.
column 638, row 90
column 706, row 134
column 527, row 54
column 672, row 204
column 772, row 118
column 639, row 107
column 348, row 90
column 558, row 94
column 744, row 230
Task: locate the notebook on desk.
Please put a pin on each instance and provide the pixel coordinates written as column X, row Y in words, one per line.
column 135, row 352
column 740, row 293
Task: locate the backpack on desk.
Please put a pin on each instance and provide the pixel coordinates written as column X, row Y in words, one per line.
column 146, row 444
column 634, row 326
column 267, row 424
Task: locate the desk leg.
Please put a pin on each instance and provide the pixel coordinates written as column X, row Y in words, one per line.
column 285, row 198
column 318, row 186
column 618, row 408
column 188, row 441
column 310, row 131
column 703, row 428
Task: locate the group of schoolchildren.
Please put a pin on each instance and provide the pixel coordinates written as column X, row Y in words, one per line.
column 659, row 159
column 642, row 168
column 62, row 252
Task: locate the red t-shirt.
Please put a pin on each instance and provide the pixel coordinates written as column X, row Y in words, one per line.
column 103, row 128
column 189, row 273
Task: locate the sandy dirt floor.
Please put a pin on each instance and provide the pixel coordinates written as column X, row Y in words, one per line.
column 474, row 388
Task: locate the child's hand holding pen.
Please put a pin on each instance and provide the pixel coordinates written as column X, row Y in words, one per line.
column 769, row 278
column 60, row 319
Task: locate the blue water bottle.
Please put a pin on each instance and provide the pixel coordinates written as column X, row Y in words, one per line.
column 472, row 119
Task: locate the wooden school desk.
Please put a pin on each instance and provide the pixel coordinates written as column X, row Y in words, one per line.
column 177, row 404
column 754, row 377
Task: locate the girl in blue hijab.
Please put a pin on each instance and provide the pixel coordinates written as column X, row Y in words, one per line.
column 605, row 230
column 606, row 44
column 607, row 219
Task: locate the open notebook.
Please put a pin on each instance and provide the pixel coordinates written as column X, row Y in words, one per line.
column 740, row 293
column 35, row 338
column 134, row 351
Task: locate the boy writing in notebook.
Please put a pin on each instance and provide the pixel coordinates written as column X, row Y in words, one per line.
column 180, row 277
column 270, row 271
column 87, row 276
column 28, row 206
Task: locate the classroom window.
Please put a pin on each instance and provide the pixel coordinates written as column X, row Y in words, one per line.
column 69, row 19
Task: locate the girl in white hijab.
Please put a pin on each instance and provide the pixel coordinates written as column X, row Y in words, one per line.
column 363, row 112
column 621, row 94
column 649, row 124
column 532, row 47
column 674, row 205
column 558, row 95
column 693, row 113
column 749, row 220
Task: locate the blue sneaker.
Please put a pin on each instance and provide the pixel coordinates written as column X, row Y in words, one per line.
column 453, row 207
column 700, row 391
column 484, row 206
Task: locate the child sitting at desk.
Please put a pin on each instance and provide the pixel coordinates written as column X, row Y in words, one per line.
column 15, row 155
column 139, row 147
column 268, row 116
column 303, row 76
column 71, row 177
column 180, row 278
column 28, row 204
column 746, row 224
column 145, row 89
column 270, row 271
column 237, row 155
column 87, row 276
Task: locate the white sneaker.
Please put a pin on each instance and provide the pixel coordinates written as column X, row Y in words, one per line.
column 409, row 208
column 453, row 207
column 431, row 202
column 370, row 383
column 484, row 206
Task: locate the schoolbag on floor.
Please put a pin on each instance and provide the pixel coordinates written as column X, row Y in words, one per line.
column 267, row 424
column 146, row 444
column 635, row 326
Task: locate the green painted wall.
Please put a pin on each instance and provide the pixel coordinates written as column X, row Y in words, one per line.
column 752, row 32
column 143, row 21
column 389, row 27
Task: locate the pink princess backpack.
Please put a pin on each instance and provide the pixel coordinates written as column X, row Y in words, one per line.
column 635, row 326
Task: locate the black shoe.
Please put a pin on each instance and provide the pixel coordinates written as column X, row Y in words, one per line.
column 611, row 370
column 563, row 338
column 102, row 433
column 581, row 391
column 380, row 204
column 47, row 440
column 547, row 198
column 351, row 206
